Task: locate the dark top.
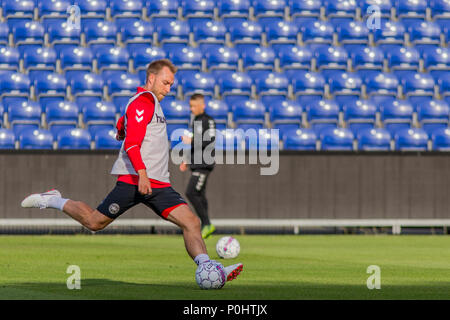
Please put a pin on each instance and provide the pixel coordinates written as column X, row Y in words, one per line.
column 204, row 129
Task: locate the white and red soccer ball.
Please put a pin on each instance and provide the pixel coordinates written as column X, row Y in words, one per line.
column 228, row 247
column 210, row 275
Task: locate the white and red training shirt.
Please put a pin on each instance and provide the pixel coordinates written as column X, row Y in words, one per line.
column 146, row 145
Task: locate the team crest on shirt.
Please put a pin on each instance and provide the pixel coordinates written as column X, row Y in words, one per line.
column 114, row 208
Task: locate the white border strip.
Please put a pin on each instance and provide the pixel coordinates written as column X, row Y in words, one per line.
column 396, row 224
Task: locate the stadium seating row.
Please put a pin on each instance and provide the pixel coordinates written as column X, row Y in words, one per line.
column 339, row 139
column 171, row 35
column 225, row 9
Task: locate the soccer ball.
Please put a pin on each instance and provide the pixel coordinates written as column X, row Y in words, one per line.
column 210, row 275
column 228, row 247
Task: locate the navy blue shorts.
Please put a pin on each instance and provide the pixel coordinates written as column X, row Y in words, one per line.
column 124, row 196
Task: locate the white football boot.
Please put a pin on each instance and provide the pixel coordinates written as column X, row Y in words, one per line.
column 233, row 271
column 40, row 200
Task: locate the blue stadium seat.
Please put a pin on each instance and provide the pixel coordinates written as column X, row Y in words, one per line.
column 221, row 60
column 258, row 61
column 4, row 34
column 391, row 34
column 199, row 82
column 197, row 12
column 173, row 35
column 75, row 61
column 235, row 86
column 308, row 86
column 263, row 140
column 176, row 112
column 440, row 139
column 229, row 139
column 87, row 87
column 142, row 58
column 188, row 60
column 340, row 11
column 248, row 114
column 13, row 86
column 353, row 34
column 359, row 115
column 35, row 139
column 304, row 11
column 7, row 139
column 285, row 116
column 381, row 86
column 345, row 87
column 62, row 35
column 293, row 59
column 367, row 60
column 432, row 115
column 375, row 139
column 411, row 11
column 281, row 34
column 245, row 35
column 9, row 59
column 61, row 115
column 136, row 35
column 403, row 61
column 218, row 109
column 111, row 62
column 322, row 114
column 230, row 11
column 24, row 115
column 336, row 139
column 444, row 86
column 53, row 11
column 396, row 115
column 37, row 59
column 99, row 34
column 91, row 10
column 106, row 139
column 210, row 34
column 299, row 139
column 99, row 115
column 27, row 34
column 74, row 139
column 268, row 11
column 424, row 34
column 161, row 10
column 125, row 11
column 330, row 59
column 440, row 12
column 121, row 89
column 317, row 33
column 436, row 60
column 383, row 6
column 272, row 88
column 412, row 139
column 50, row 87
column 18, row 11
column 418, row 87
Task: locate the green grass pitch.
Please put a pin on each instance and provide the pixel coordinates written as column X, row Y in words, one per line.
column 275, row 267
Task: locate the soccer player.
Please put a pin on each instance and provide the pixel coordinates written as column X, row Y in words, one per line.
column 141, row 169
column 196, row 190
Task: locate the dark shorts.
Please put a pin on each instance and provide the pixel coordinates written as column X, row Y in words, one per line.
column 124, row 196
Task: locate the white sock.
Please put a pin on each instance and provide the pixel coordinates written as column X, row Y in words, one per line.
column 56, row 202
column 202, row 257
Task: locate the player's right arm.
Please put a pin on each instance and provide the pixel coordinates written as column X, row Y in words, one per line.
column 138, row 116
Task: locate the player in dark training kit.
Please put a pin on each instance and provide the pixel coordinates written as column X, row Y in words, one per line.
column 204, row 128
column 141, row 169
